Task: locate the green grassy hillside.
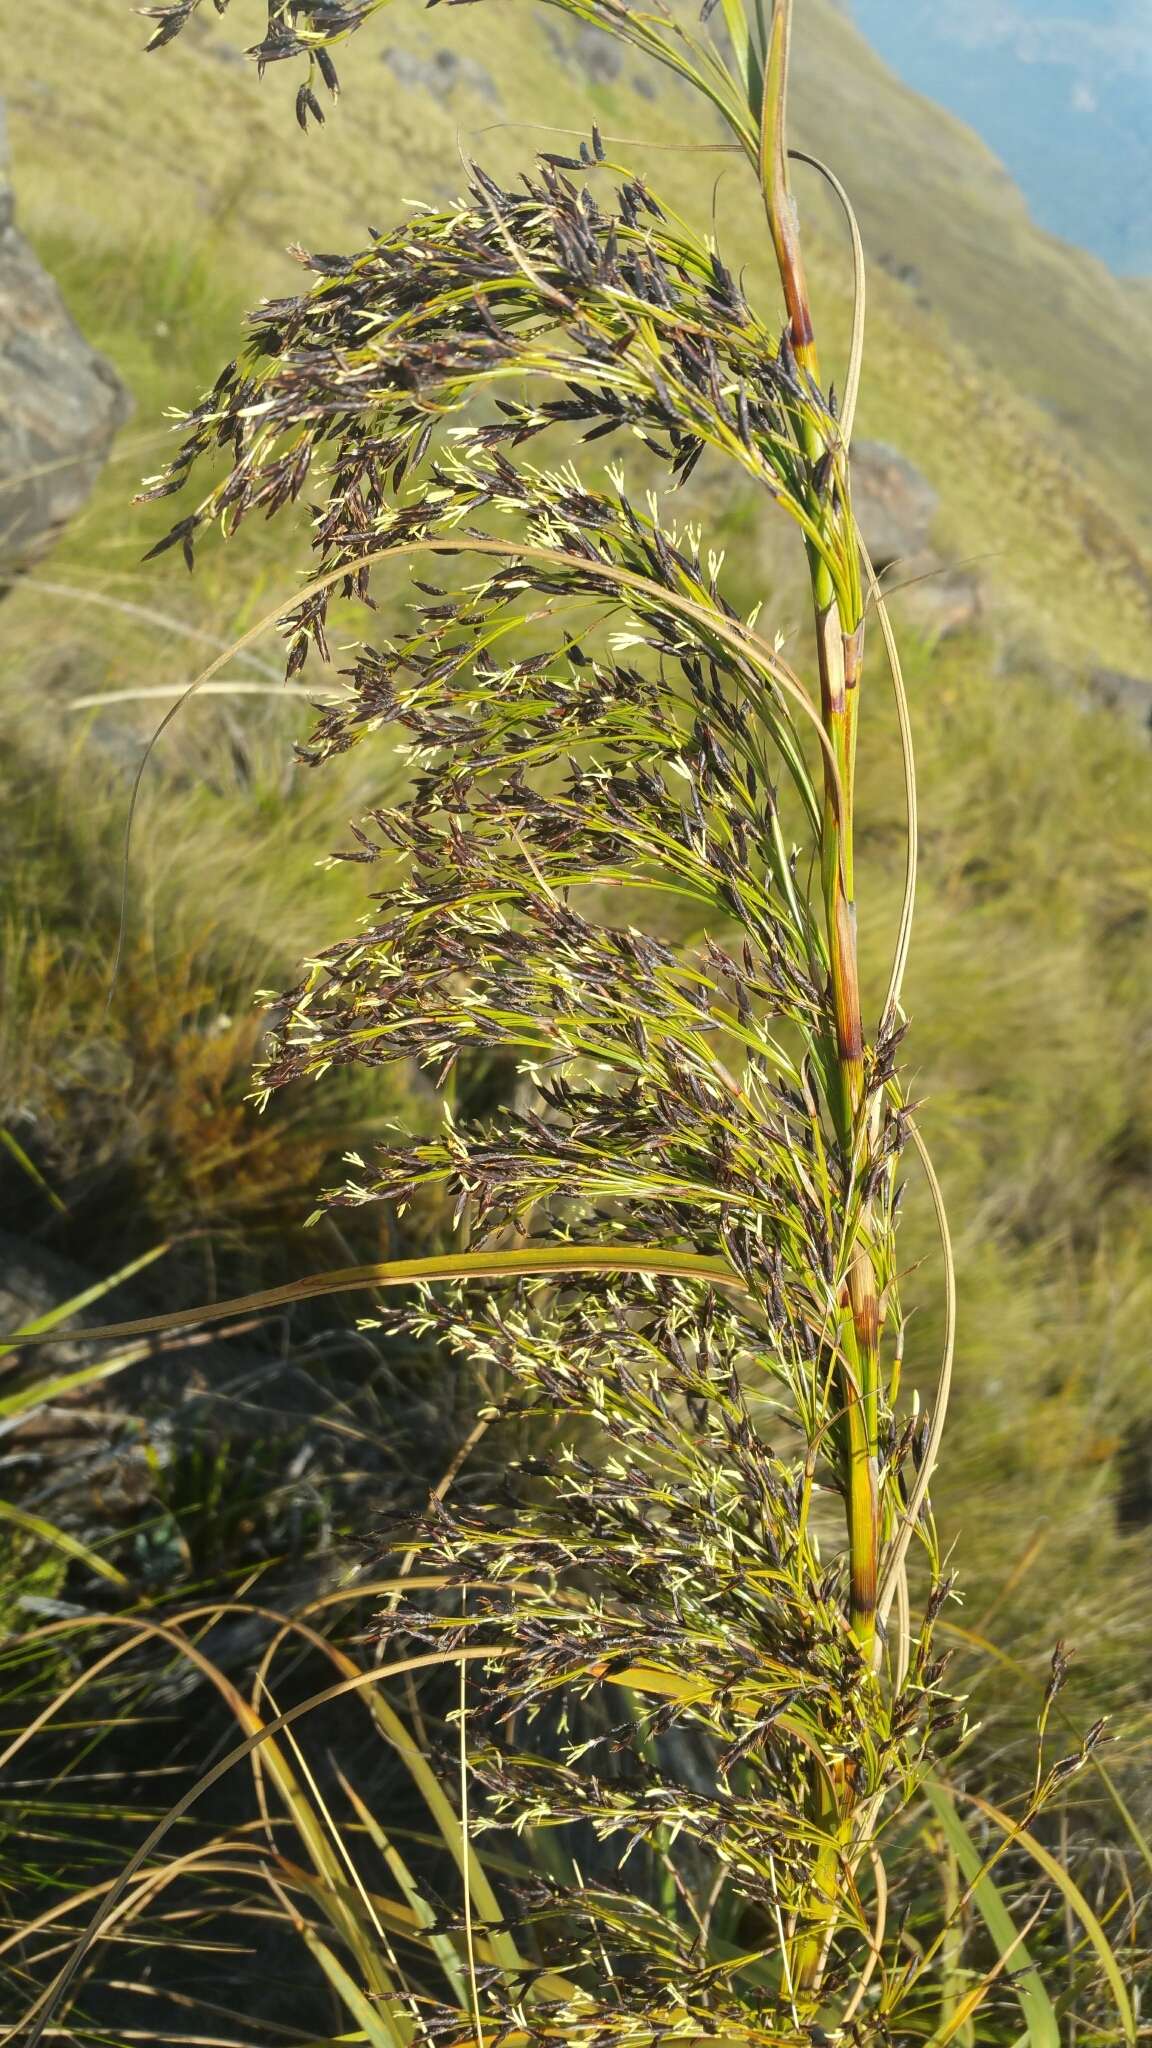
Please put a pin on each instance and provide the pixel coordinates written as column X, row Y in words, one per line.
column 1008, row 365
column 163, row 191
column 935, row 203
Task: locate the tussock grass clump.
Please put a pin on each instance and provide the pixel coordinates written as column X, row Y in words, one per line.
column 696, row 1634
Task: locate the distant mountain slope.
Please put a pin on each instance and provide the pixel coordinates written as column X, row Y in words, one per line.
column 1061, row 89
column 936, row 204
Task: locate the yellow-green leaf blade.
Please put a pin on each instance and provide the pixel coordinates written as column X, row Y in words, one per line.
column 1035, row 2004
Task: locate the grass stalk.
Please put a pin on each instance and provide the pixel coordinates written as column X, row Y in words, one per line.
column 840, row 648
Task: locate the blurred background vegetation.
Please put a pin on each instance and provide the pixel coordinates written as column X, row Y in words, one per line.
column 1007, row 373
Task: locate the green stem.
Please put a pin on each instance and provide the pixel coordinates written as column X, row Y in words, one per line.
column 839, row 649
column 839, row 640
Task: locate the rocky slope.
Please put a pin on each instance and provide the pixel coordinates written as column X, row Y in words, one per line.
column 60, row 402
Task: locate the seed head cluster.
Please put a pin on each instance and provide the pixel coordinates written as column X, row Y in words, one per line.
column 601, row 871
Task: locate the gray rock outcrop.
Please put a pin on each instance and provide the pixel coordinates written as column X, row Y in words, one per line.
column 1130, row 697
column 894, row 503
column 896, row 508
column 60, row 402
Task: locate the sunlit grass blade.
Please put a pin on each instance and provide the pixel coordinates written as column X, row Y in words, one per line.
column 37, row 1393
column 1074, row 1897
column 1035, row 2004
column 423, row 1914
column 985, row 1647
column 960, row 2021
column 380, row 2027
column 43, row 1325
column 542, row 1262
column 62, row 1540
column 28, row 1166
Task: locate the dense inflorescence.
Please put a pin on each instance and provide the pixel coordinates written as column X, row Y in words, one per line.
column 600, row 869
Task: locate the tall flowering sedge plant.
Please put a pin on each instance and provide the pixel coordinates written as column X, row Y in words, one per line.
column 689, row 1631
